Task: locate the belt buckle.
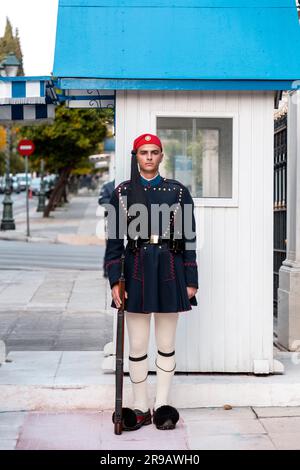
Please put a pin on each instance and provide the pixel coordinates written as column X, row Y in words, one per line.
column 154, row 239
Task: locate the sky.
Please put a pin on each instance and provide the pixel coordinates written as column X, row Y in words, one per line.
column 36, row 21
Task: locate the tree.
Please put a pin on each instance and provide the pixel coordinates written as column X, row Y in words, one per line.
column 10, row 43
column 2, row 162
column 2, row 138
column 66, row 144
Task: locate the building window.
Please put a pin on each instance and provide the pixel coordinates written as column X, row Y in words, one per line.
column 198, row 153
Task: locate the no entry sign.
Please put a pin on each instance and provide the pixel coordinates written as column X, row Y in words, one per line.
column 26, row 147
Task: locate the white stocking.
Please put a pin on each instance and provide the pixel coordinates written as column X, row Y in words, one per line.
column 138, row 327
column 165, row 333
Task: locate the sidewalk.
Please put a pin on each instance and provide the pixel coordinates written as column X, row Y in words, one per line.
column 56, row 385
column 64, row 400
column 208, row 429
column 74, row 223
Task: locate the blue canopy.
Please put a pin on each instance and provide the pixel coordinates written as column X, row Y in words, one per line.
column 178, row 43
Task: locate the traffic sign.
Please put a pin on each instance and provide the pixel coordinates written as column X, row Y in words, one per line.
column 26, row 147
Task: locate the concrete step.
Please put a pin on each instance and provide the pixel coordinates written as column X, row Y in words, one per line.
column 71, row 380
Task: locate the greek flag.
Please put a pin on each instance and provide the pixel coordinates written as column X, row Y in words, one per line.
column 28, row 100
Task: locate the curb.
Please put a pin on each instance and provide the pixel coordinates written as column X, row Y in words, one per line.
column 59, row 239
column 184, row 395
column 24, row 238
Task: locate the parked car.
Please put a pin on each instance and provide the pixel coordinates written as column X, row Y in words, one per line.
column 48, row 182
column 22, row 179
column 16, row 186
column 35, row 186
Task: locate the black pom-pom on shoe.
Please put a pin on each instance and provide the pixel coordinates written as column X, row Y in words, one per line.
column 165, row 417
column 134, row 419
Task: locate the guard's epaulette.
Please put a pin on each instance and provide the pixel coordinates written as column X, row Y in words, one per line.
column 122, row 185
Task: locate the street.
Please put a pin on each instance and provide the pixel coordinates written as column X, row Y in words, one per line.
column 22, row 255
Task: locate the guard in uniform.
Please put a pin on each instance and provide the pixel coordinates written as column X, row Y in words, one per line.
column 161, row 275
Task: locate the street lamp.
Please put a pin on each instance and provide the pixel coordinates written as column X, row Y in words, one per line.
column 10, row 65
column 42, row 195
column 9, row 68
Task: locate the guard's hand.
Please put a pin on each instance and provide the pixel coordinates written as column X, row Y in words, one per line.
column 115, row 295
column 191, row 291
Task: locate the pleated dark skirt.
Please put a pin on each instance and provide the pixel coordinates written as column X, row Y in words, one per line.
column 155, row 281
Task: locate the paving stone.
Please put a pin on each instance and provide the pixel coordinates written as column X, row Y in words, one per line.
column 189, row 415
column 28, row 368
column 286, row 440
column 216, row 426
column 231, row 442
column 281, row 425
column 12, row 418
column 8, row 432
column 91, row 430
column 7, row 444
column 277, row 411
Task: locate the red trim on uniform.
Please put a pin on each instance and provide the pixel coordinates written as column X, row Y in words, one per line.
column 143, row 279
column 136, row 266
column 112, row 262
column 172, row 269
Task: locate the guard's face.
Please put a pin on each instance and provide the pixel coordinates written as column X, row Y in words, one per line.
column 149, row 157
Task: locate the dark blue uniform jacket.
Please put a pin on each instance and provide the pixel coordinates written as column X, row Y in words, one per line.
column 156, row 278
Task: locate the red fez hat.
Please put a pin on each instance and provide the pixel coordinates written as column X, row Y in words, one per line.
column 146, row 139
column 137, row 194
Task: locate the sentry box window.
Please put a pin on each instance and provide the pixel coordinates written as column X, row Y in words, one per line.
column 198, row 151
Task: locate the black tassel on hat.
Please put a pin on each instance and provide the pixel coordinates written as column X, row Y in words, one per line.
column 137, row 195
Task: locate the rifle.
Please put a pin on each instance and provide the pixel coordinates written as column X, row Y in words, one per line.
column 120, row 353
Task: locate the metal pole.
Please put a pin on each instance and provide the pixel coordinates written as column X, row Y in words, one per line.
column 7, row 222
column 27, row 198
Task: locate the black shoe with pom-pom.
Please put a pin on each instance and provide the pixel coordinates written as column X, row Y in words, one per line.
column 165, row 417
column 134, row 419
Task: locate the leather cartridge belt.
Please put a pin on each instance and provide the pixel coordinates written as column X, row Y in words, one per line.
column 173, row 244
